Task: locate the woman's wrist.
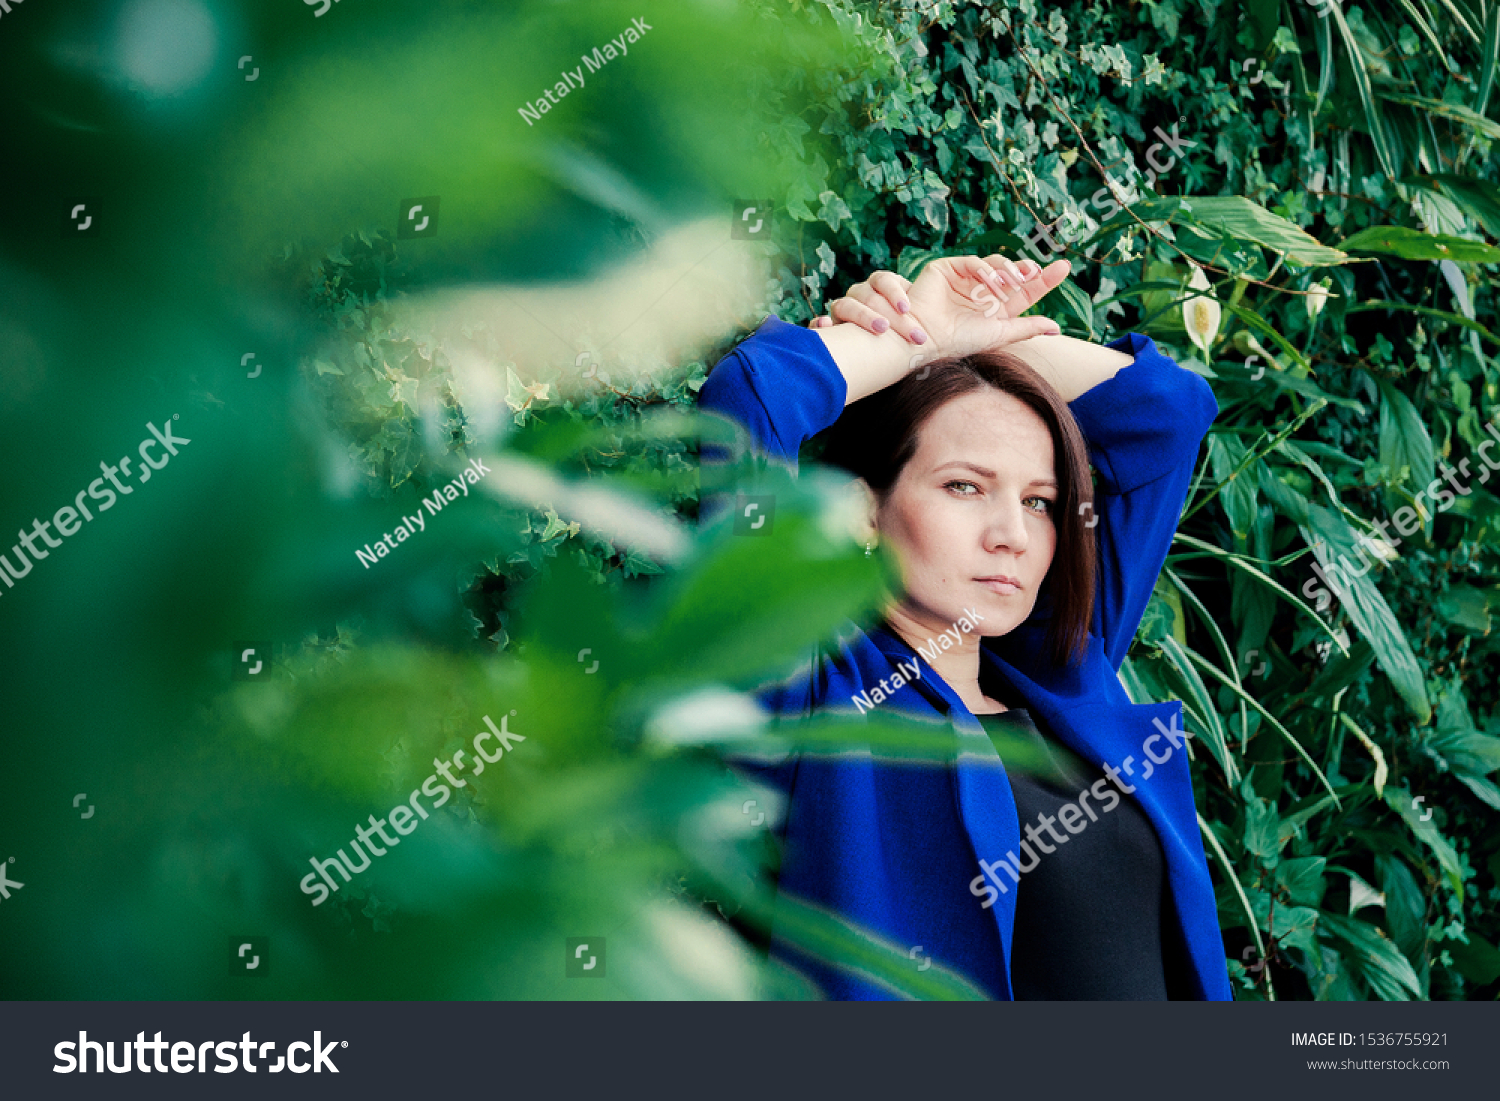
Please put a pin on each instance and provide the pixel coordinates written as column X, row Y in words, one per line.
column 1072, row 366
column 870, row 362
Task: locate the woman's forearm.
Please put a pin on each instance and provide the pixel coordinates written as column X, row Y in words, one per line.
column 871, row 362
column 1072, row 366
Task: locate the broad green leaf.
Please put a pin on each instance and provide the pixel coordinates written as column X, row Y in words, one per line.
column 749, row 602
column 1183, row 660
column 1478, row 198
column 1484, row 790
column 1335, row 547
column 1373, row 119
column 1489, row 56
column 1262, row 827
column 1404, row 804
column 1341, row 671
column 1291, row 926
column 1374, row 957
column 1478, row 960
column 1455, row 112
column 1239, row 497
column 1404, row 441
column 1413, row 244
column 1465, row 606
column 1302, row 878
column 1158, row 621
column 1309, row 389
column 1077, row 302
column 1238, row 217
column 1264, row 16
column 1458, row 742
column 862, row 952
column 1294, row 821
column 1405, row 905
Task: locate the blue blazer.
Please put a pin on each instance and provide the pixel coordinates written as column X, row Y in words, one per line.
column 896, row 847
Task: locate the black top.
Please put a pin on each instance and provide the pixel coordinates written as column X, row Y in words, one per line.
column 1089, row 912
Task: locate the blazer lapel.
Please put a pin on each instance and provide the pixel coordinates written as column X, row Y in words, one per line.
column 1147, row 746
column 986, row 803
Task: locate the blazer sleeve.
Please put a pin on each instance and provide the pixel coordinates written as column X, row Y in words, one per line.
column 1144, row 428
column 780, row 385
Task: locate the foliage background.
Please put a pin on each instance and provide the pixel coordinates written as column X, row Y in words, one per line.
column 965, row 127
column 885, row 134
column 970, row 125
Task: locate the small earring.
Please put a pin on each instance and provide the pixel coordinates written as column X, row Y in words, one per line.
column 868, row 551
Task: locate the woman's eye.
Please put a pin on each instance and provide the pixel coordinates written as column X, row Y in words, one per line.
column 952, row 487
column 1041, row 504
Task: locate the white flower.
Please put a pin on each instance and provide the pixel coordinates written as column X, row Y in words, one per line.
column 1201, row 314
column 1317, row 298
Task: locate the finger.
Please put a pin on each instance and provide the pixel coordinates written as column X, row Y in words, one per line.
column 1024, row 328
column 1013, row 270
column 999, row 281
column 854, row 311
column 893, row 289
column 822, row 321
column 1038, row 283
column 904, row 324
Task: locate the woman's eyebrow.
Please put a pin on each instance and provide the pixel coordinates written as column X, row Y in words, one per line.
column 985, row 472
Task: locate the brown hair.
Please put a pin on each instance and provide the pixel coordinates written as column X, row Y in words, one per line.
column 876, row 437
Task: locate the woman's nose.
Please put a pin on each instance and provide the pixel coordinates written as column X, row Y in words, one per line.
column 1006, row 528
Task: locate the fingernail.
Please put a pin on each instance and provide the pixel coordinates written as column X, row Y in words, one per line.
column 881, row 325
column 903, row 307
column 918, row 336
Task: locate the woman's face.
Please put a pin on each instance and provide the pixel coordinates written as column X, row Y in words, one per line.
column 970, row 516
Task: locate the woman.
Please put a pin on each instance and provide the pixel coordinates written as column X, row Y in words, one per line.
column 1021, row 589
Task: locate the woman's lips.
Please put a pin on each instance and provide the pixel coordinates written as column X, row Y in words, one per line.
column 1002, row 585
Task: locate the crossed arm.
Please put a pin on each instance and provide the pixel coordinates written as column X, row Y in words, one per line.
column 1143, row 431
column 958, row 305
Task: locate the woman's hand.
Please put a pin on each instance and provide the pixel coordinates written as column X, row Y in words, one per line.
column 957, row 305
